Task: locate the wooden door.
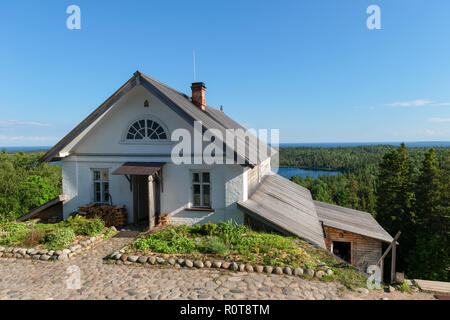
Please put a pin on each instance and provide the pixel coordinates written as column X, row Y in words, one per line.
column 140, row 199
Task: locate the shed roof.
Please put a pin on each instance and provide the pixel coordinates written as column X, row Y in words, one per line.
column 181, row 103
column 35, row 211
column 139, row 168
column 351, row 220
column 287, row 206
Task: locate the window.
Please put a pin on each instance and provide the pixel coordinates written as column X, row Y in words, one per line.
column 146, row 129
column 202, row 189
column 101, row 185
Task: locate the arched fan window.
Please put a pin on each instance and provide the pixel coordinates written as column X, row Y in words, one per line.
column 146, row 129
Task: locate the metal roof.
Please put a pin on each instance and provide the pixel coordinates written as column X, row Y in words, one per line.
column 351, row 220
column 287, row 206
column 139, row 168
column 211, row 118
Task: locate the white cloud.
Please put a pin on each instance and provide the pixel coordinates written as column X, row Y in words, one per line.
column 24, row 138
column 19, row 123
column 419, row 103
column 439, row 120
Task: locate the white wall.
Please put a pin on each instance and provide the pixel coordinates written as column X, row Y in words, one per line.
column 103, row 147
column 226, row 188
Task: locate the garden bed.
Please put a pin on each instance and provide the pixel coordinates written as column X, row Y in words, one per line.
column 58, row 241
column 236, row 247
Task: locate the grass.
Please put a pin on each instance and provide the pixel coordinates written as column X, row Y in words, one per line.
column 50, row 236
column 232, row 242
column 404, row 287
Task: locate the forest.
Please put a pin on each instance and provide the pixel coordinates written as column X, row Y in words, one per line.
column 25, row 183
column 406, row 189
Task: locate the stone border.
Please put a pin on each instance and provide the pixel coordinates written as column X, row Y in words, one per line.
column 51, row 255
column 120, row 257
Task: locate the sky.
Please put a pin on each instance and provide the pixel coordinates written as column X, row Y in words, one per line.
column 312, row 69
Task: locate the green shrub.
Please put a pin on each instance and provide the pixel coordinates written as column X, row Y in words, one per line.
column 231, row 233
column 206, row 229
column 12, row 226
column 214, row 245
column 166, row 241
column 59, row 239
column 94, row 227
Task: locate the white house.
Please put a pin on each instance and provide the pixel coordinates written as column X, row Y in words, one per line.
column 122, row 153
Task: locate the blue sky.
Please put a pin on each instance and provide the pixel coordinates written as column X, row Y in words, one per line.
column 309, row 68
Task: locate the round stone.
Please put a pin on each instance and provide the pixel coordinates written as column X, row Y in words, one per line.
column 320, row 274
column 242, row 267
column 124, row 257
column 225, row 265
column 298, row 271
column 278, row 270
column 249, row 268
column 171, row 261
column 217, row 264
column 177, row 266
column 208, row 264
column 2, row 249
column 329, row 272
column 234, row 266
column 142, row 259
column 66, row 251
column 30, row 251
column 152, row 260
column 309, row 272
column 268, row 269
column 198, row 264
column 57, row 252
column 160, row 260
column 259, row 269
column 180, row 261
column 132, row 258
column 287, row 270
column 44, row 257
column 63, row 257
column 189, row 263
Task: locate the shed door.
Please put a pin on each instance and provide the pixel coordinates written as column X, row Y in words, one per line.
column 343, row 250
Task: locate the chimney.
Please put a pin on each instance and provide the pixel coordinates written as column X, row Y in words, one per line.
column 198, row 94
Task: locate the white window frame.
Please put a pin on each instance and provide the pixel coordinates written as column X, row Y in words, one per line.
column 102, row 185
column 201, row 183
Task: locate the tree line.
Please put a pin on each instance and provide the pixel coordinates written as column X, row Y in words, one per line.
column 406, row 189
column 25, row 183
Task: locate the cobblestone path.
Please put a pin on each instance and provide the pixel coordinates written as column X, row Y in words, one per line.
column 27, row 279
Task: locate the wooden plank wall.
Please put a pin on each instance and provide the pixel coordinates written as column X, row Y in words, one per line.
column 255, row 175
column 365, row 251
column 253, row 180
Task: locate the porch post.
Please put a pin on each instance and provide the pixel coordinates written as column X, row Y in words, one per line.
column 151, row 202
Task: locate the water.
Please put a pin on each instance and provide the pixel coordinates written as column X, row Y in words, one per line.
column 290, row 172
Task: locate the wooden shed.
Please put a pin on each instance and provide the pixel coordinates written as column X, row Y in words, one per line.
column 353, row 235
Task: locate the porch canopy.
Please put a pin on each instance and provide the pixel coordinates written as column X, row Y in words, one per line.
column 138, row 168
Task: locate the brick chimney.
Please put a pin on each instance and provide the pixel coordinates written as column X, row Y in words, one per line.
column 198, row 94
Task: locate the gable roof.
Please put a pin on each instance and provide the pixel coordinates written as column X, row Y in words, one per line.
column 351, row 220
column 285, row 205
column 211, row 118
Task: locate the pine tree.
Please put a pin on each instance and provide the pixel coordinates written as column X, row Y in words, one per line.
column 429, row 194
column 395, row 200
column 395, row 197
